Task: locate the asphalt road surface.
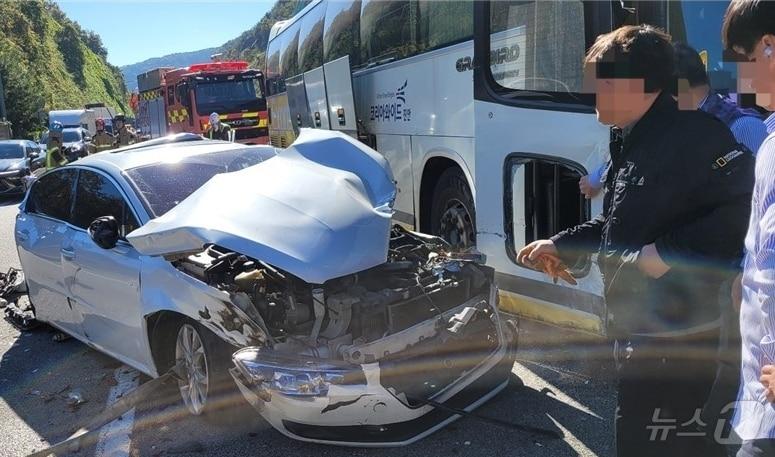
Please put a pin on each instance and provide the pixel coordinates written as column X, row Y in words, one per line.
column 48, row 389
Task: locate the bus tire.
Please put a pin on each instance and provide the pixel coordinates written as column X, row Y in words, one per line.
column 453, row 216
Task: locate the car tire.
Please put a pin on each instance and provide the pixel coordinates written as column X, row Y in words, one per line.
column 453, row 216
column 205, row 385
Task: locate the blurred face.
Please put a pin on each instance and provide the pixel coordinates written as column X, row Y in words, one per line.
column 118, row 124
column 758, row 74
column 621, row 102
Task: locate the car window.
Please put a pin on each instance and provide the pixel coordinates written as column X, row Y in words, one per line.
column 96, row 196
column 71, row 136
column 11, row 151
column 52, row 195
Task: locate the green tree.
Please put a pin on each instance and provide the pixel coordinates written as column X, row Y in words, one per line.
column 70, row 46
column 23, row 101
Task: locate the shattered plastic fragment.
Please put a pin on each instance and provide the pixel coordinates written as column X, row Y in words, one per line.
column 75, row 398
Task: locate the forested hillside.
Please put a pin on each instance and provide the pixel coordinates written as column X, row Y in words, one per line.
column 47, row 61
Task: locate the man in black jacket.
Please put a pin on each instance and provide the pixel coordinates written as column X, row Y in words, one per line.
column 675, row 211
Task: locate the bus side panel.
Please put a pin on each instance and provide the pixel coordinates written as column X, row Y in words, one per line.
column 503, row 131
column 397, row 150
column 428, row 94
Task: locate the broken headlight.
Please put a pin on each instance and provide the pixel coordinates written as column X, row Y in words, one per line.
column 294, row 375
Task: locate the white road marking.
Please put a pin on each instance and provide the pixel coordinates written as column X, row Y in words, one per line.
column 114, row 439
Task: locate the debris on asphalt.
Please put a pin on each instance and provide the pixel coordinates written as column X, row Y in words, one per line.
column 467, row 443
column 21, row 318
column 60, row 337
column 75, row 399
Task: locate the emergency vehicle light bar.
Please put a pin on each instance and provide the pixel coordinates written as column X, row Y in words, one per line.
column 237, row 65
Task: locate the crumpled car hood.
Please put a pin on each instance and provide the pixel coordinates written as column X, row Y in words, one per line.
column 319, row 210
column 11, row 164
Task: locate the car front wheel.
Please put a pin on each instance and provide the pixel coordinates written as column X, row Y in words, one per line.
column 192, row 358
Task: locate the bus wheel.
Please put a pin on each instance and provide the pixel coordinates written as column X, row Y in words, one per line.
column 452, row 212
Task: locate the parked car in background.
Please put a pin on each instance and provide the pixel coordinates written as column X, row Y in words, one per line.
column 71, row 136
column 275, row 269
column 18, row 159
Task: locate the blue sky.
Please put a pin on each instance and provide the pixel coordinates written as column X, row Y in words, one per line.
column 133, row 31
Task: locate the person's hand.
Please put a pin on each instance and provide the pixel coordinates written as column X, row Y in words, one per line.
column 737, row 292
column 589, row 190
column 768, row 381
column 650, row 263
column 530, row 253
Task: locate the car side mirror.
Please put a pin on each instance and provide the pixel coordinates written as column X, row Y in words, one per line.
column 104, row 232
column 33, row 155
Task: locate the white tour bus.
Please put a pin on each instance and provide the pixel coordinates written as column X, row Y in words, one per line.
column 485, row 151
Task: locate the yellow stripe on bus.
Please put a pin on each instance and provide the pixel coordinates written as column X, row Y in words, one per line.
column 539, row 310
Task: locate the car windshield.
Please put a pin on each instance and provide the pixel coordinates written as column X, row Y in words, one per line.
column 11, row 151
column 228, row 96
column 164, row 185
column 71, row 136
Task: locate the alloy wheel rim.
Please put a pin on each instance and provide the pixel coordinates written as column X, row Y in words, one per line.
column 190, row 355
column 456, row 225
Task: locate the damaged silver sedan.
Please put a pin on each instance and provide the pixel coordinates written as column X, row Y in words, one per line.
column 346, row 330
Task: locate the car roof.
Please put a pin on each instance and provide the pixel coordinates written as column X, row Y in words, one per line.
column 19, row 142
column 137, row 156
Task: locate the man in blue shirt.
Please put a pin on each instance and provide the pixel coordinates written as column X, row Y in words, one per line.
column 694, row 92
column 749, row 29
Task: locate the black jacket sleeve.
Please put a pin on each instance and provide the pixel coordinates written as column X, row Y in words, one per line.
column 720, row 203
column 580, row 240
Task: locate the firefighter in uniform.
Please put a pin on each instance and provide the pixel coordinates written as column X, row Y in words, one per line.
column 102, row 140
column 55, row 154
column 675, row 209
column 218, row 130
column 125, row 135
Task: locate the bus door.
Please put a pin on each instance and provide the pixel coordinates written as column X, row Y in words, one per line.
column 297, row 103
column 315, row 84
column 536, row 135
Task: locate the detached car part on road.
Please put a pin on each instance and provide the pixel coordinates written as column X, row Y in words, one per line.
column 344, row 328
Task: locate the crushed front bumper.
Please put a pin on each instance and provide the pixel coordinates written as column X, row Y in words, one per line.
column 380, row 412
column 12, row 182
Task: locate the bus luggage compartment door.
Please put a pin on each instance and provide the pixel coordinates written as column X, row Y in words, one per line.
column 315, row 84
column 297, row 103
column 339, row 87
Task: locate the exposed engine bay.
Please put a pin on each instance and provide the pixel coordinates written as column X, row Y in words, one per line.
column 359, row 318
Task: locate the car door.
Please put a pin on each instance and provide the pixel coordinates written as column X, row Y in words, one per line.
column 40, row 232
column 104, row 284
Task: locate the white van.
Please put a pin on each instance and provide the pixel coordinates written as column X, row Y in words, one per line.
column 73, row 118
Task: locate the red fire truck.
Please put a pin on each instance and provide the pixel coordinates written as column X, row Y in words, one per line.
column 181, row 100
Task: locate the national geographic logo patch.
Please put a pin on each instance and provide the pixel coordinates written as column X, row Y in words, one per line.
column 721, row 162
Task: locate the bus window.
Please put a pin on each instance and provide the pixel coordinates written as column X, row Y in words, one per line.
column 698, row 24
column 537, row 45
column 444, row 23
column 342, row 31
column 388, row 30
column 289, row 54
column 543, row 199
column 272, row 67
column 311, row 39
